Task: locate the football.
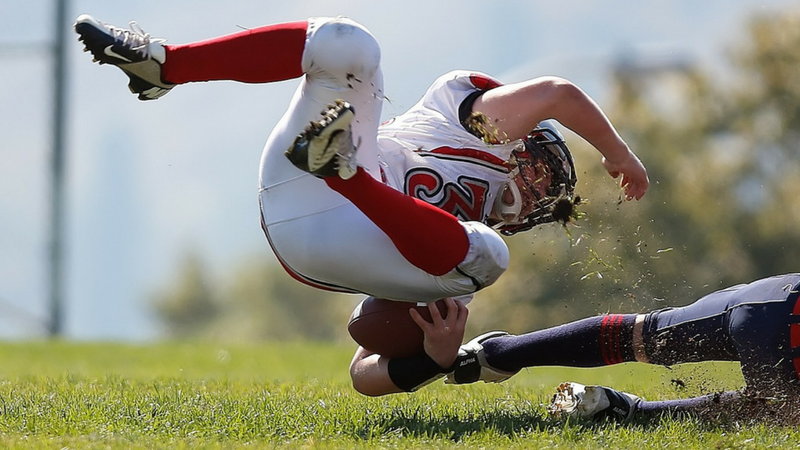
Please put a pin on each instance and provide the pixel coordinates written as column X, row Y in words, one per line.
column 386, row 327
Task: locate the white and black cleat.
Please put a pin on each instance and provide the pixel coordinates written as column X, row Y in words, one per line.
column 471, row 365
column 593, row 402
column 325, row 148
column 134, row 51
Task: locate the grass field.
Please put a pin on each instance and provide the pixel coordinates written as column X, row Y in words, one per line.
column 56, row 395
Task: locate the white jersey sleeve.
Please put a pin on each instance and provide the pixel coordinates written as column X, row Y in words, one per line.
column 427, row 153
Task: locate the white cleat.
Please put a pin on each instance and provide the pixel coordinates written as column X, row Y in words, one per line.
column 593, row 402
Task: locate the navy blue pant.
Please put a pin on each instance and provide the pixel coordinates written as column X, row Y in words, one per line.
column 757, row 324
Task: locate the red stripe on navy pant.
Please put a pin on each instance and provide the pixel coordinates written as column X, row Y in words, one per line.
column 610, row 336
column 618, row 340
column 604, row 331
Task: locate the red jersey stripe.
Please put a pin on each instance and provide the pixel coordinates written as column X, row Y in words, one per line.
column 470, row 153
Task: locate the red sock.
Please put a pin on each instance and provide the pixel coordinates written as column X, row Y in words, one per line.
column 425, row 235
column 261, row 55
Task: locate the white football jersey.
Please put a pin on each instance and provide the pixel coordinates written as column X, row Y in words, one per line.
column 427, row 153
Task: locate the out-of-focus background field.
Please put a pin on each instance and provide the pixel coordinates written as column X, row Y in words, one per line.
column 205, row 395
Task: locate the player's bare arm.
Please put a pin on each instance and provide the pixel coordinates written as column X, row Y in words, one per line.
column 370, row 372
column 516, row 108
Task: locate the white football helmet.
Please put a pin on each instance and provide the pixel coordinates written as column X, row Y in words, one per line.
column 544, row 144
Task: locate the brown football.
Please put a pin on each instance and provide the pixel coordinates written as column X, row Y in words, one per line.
column 386, row 327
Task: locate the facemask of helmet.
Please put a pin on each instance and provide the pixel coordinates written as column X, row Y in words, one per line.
column 543, row 144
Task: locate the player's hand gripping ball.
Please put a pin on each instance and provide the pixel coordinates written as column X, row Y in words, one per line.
column 386, row 327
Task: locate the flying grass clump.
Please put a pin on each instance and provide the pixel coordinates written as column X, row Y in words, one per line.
column 480, row 125
column 566, row 210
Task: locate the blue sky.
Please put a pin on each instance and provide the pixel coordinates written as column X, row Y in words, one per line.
column 148, row 181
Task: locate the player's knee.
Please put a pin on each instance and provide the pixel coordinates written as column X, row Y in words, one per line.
column 365, row 388
column 340, row 51
column 362, row 383
column 488, row 255
column 357, row 380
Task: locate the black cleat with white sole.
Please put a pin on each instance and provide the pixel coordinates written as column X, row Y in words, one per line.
column 132, row 50
column 325, row 148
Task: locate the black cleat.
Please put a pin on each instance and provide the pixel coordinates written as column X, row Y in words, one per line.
column 471, row 365
column 325, row 148
column 133, row 51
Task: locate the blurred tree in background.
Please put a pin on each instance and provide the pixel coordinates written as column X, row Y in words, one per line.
column 722, row 155
column 256, row 301
column 189, row 305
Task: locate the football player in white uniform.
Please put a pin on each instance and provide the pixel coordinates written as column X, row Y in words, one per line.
column 408, row 210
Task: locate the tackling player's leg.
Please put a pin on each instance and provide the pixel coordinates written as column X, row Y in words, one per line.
column 604, row 403
column 593, row 402
column 590, row 342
